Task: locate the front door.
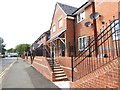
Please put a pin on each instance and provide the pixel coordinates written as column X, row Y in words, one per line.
column 53, row 51
column 63, row 49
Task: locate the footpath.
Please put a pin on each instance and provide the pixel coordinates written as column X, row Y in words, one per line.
column 22, row 75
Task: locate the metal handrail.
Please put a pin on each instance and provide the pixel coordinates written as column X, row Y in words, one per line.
column 85, row 62
column 92, row 42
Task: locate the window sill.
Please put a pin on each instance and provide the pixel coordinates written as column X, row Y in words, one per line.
column 81, row 50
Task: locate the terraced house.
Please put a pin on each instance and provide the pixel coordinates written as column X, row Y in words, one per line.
column 97, row 35
column 62, row 36
column 83, row 45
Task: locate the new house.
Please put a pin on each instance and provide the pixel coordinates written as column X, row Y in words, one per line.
column 82, row 45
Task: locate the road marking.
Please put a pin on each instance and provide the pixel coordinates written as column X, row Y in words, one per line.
column 4, row 72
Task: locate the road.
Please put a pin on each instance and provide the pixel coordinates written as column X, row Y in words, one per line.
column 5, row 62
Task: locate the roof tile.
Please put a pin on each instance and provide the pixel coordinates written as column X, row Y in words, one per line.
column 67, row 9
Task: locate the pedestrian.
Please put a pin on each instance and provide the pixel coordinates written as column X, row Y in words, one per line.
column 30, row 54
column 33, row 54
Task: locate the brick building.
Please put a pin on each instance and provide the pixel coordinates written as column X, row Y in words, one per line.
column 83, row 44
column 97, row 35
column 62, row 30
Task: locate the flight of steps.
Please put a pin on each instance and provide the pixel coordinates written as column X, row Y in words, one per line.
column 58, row 73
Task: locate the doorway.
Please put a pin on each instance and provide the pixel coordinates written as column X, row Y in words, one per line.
column 53, row 51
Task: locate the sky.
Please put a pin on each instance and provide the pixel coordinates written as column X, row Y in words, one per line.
column 23, row 21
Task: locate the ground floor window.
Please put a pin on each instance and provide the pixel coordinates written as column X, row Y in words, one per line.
column 81, row 43
column 116, row 30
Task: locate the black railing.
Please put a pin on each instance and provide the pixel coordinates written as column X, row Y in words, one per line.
column 108, row 45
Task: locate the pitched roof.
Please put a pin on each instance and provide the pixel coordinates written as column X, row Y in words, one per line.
column 86, row 4
column 67, row 9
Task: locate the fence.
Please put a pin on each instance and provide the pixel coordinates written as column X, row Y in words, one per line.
column 108, row 47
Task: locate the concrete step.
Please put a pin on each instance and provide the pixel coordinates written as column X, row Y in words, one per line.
column 64, row 78
column 59, row 75
column 59, row 72
column 56, row 69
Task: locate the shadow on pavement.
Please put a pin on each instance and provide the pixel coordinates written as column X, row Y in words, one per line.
column 38, row 80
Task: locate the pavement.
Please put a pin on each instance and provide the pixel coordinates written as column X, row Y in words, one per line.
column 22, row 75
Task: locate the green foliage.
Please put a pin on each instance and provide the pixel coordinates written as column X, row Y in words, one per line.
column 21, row 48
column 12, row 50
column 2, row 46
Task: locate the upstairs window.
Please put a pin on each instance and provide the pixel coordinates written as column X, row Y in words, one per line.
column 53, row 28
column 116, row 30
column 81, row 16
column 81, row 43
column 60, row 23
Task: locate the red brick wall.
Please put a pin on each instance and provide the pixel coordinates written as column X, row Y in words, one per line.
column 107, row 10
column 106, row 77
column 69, row 35
column 42, row 66
column 43, row 40
column 67, row 24
column 57, row 15
column 119, row 6
column 65, row 63
column 81, row 29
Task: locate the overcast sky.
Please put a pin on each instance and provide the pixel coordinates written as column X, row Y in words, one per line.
column 23, row 21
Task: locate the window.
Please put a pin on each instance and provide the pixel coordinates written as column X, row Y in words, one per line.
column 116, row 30
column 60, row 23
column 81, row 43
column 53, row 28
column 81, row 16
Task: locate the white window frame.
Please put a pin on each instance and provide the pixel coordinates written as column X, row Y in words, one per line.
column 60, row 23
column 116, row 30
column 53, row 28
column 79, row 48
column 81, row 16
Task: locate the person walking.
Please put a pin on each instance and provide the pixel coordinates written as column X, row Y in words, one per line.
column 32, row 55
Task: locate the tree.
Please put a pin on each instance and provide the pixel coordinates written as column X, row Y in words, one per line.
column 11, row 50
column 21, row 48
column 2, row 46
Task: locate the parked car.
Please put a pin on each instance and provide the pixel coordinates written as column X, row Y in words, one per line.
column 2, row 56
column 13, row 54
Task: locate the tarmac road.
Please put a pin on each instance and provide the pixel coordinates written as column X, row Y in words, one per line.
column 5, row 62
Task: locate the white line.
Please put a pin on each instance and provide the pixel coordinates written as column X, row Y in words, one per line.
column 4, row 72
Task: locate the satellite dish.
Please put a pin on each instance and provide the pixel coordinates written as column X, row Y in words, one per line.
column 94, row 15
column 88, row 24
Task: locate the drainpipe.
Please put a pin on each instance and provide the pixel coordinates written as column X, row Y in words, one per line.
column 74, row 38
column 95, row 29
column 72, row 69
